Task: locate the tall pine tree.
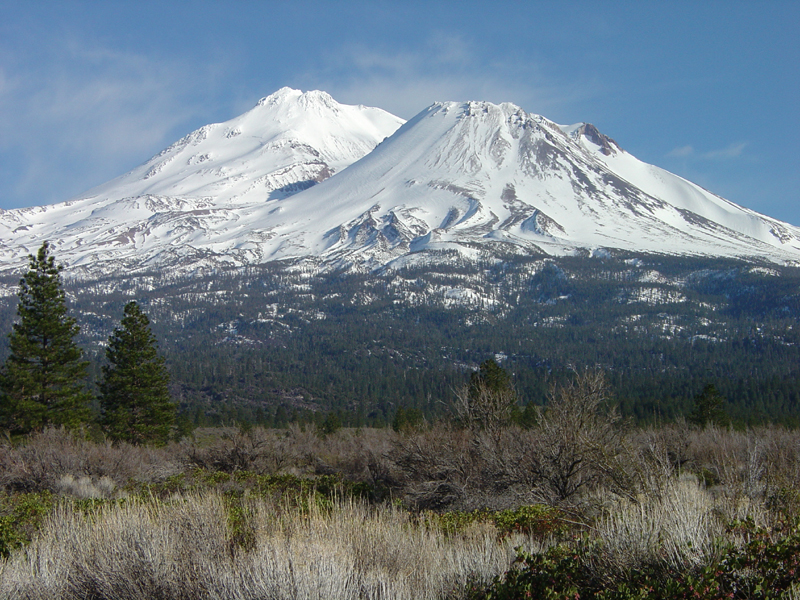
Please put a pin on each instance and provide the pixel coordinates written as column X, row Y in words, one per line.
column 134, row 392
column 709, row 408
column 42, row 381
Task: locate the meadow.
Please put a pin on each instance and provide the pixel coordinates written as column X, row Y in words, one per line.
column 579, row 506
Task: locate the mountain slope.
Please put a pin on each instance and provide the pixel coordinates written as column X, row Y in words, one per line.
column 466, row 176
column 458, row 175
column 189, row 203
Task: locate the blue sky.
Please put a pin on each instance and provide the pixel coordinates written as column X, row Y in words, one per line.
column 708, row 90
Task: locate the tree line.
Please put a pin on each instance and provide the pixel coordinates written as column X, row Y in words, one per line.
column 43, row 381
column 388, row 364
column 387, row 354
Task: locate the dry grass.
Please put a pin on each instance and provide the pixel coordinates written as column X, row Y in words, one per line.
column 680, row 528
column 644, row 497
column 185, row 549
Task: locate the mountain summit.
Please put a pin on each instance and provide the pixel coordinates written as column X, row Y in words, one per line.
column 302, row 176
column 190, row 205
column 461, row 174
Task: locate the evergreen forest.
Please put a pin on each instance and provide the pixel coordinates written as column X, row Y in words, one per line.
column 287, row 343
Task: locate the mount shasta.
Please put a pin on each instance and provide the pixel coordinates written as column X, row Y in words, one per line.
column 309, row 256
column 301, row 176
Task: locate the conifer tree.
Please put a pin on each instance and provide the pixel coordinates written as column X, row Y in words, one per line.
column 709, row 408
column 42, row 381
column 491, row 376
column 489, row 401
column 134, row 392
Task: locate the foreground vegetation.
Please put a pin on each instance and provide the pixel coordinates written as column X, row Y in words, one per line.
column 427, row 512
column 495, row 500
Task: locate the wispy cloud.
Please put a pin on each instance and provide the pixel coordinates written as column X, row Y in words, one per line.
column 442, row 67
column 729, row 152
column 70, row 122
column 732, row 151
column 681, row 152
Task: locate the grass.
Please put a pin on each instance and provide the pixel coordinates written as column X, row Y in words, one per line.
column 206, row 547
column 292, row 514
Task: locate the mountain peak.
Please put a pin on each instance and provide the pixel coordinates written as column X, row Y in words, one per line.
column 287, row 95
column 605, row 144
column 301, row 175
column 282, row 95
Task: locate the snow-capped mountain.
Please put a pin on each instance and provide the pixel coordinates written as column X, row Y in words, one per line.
column 191, row 204
column 475, row 175
column 275, row 183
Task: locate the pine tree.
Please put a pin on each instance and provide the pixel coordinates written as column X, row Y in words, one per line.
column 492, row 376
column 709, row 408
column 42, row 382
column 489, row 400
column 134, row 393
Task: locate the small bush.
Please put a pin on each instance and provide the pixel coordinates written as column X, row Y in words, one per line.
column 21, row 515
column 537, row 520
column 555, row 574
column 766, row 568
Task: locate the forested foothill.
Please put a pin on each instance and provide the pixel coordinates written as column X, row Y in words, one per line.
column 283, row 343
column 356, row 443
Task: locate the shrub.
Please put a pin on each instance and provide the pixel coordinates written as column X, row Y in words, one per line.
column 765, row 568
column 577, row 443
column 20, row 516
column 537, row 519
column 46, row 460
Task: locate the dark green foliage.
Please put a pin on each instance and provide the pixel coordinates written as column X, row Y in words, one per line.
column 407, row 420
column 184, row 427
column 20, row 516
column 134, row 392
column 709, row 408
column 764, row 569
column 535, row 519
column 42, row 382
column 240, row 522
column 554, row 574
column 527, row 417
column 492, row 377
column 331, row 424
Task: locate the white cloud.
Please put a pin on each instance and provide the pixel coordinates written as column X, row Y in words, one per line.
column 732, row 151
column 445, row 67
column 727, row 153
column 681, row 152
column 86, row 115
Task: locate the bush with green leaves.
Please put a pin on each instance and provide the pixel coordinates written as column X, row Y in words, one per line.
column 21, row 515
column 536, row 520
column 766, row 567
